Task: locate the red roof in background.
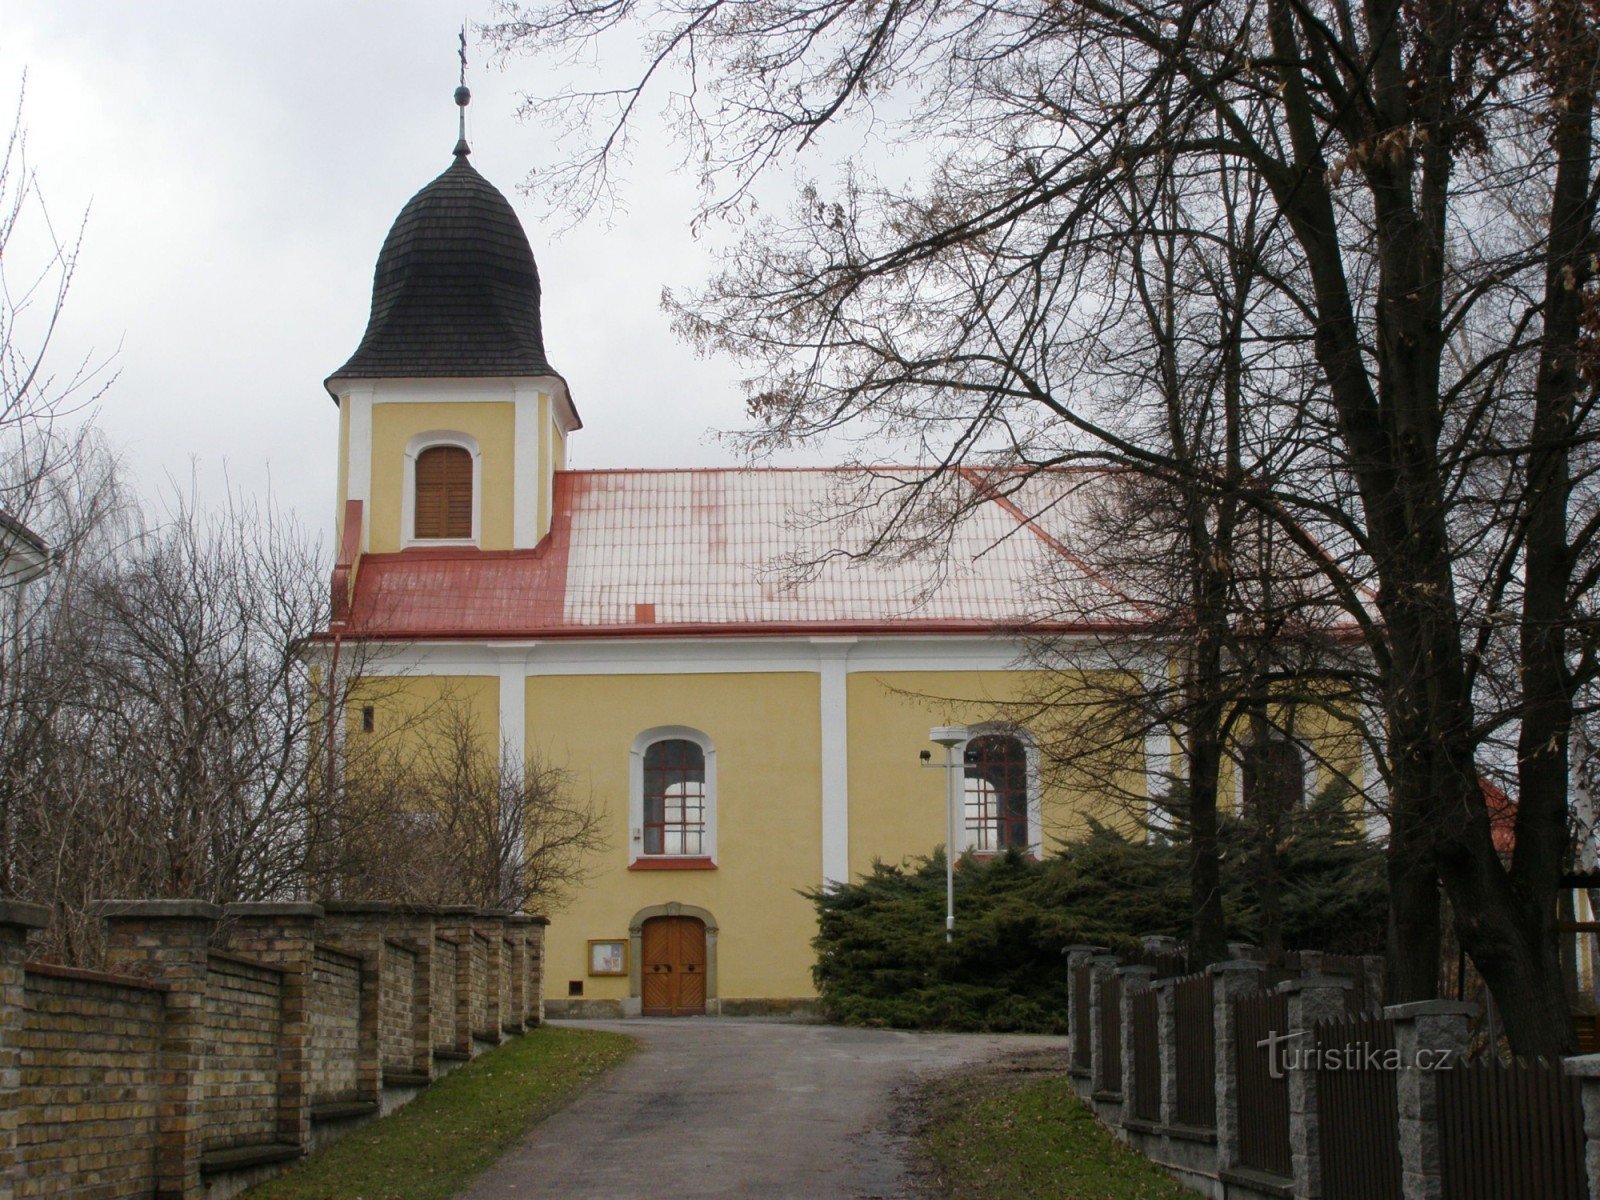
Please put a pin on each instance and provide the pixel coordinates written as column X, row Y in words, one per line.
column 746, row 551
column 1502, row 817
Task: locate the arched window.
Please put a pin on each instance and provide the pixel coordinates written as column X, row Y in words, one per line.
column 996, row 803
column 443, row 504
column 673, row 798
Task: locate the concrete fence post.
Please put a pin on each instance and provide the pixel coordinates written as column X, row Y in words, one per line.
column 1434, row 1027
column 284, row 934
column 1167, row 1040
column 1586, row 1068
column 1312, row 1000
column 1229, row 981
column 1134, row 979
column 169, row 940
column 1102, row 969
column 1076, row 956
column 16, row 922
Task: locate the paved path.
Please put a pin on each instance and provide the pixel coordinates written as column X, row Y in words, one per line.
column 754, row 1110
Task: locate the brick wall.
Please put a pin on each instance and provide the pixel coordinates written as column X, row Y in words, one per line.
column 482, row 1026
column 509, row 1018
column 91, row 1063
column 335, row 1026
column 396, row 1019
column 446, row 962
column 199, row 1063
column 240, row 1078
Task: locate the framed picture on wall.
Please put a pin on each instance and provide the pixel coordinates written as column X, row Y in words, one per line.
column 608, row 957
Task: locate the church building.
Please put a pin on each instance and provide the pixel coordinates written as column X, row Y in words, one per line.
column 748, row 704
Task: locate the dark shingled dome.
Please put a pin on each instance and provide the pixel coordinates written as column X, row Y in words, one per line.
column 456, row 292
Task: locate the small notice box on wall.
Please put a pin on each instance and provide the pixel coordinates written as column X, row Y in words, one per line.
column 608, row 958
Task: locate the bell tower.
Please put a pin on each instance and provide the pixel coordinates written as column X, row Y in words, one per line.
column 452, row 422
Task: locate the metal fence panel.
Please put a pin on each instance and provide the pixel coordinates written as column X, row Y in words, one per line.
column 1357, row 1110
column 1146, row 1035
column 1111, row 1033
column 1263, row 1092
column 1196, row 1036
column 1080, row 1016
column 1510, row 1129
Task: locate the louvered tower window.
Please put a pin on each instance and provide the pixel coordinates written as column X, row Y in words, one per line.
column 444, row 493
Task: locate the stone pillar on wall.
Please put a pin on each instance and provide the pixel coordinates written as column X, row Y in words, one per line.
column 168, row 940
column 16, row 922
column 453, row 923
column 537, row 973
column 1229, row 981
column 1134, row 979
column 1437, row 1027
column 1312, row 1000
column 1076, row 956
column 1585, row 1068
column 1102, row 967
column 1167, row 1039
column 491, row 925
column 359, row 929
column 285, row 936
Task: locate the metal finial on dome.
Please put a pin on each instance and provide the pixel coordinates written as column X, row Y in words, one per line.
column 463, row 98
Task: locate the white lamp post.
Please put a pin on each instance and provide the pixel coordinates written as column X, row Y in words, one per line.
column 949, row 736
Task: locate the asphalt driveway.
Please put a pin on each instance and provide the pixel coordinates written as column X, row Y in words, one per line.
column 757, row 1110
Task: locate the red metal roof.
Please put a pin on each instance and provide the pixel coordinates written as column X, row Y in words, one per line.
column 745, row 551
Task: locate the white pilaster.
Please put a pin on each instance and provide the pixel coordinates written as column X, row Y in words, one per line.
column 526, row 481
column 358, row 472
column 833, row 655
column 1158, row 751
column 514, row 706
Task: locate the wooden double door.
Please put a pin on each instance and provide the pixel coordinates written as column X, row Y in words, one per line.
column 673, row 967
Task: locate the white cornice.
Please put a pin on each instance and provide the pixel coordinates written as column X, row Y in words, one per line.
column 710, row 656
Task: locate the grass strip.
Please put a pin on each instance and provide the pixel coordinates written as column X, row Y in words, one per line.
column 1000, row 1135
column 430, row 1148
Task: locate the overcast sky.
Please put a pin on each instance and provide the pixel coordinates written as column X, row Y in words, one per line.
column 241, row 164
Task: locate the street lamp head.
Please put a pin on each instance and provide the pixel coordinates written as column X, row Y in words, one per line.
column 948, row 735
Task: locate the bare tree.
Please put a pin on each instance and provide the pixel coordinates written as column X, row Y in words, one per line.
column 430, row 812
column 39, row 398
column 1428, row 242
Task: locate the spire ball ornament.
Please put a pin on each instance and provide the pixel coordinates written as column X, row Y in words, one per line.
column 463, row 98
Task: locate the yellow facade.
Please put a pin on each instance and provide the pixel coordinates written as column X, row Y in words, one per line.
column 493, row 425
column 765, row 729
column 770, row 814
column 902, row 808
column 420, row 707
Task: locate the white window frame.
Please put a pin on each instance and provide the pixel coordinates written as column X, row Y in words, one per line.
column 667, row 733
column 1030, row 757
column 408, row 487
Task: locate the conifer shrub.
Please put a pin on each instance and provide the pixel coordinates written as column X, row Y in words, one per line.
column 882, row 958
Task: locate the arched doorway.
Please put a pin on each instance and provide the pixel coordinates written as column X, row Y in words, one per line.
column 704, row 987
column 673, row 967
